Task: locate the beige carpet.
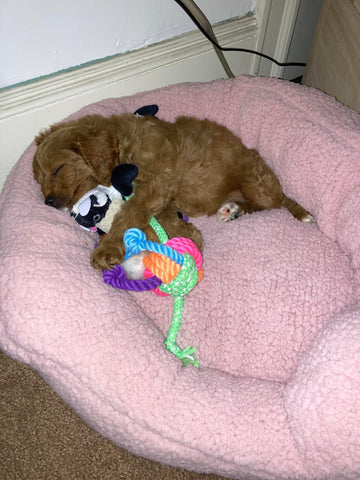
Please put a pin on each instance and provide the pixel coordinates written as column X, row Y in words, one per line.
column 41, row 438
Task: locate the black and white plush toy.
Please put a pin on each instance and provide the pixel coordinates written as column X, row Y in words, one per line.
column 95, row 211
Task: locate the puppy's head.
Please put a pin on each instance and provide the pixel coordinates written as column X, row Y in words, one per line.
column 73, row 158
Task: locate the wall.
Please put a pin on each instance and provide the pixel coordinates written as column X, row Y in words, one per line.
column 43, row 37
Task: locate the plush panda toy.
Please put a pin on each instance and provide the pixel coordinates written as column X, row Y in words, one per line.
column 95, row 211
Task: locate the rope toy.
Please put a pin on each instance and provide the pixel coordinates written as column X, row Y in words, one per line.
column 173, row 267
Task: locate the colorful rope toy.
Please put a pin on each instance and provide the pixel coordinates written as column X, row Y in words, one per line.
column 172, row 267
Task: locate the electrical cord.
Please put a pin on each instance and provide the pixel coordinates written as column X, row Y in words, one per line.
column 189, row 8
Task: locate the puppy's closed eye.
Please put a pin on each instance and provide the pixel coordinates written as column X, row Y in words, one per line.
column 57, row 170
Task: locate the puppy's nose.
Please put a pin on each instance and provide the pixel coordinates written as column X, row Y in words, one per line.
column 50, row 201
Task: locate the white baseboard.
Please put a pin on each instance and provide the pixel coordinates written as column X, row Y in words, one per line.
column 28, row 108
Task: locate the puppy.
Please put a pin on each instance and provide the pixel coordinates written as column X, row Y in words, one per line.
column 192, row 166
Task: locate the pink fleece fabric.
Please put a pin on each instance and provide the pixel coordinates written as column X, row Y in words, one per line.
column 276, row 318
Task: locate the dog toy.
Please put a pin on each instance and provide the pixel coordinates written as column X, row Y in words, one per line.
column 150, row 110
column 174, row 268
column 95, row 211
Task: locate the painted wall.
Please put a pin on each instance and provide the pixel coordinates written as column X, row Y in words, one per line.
column 42, row 37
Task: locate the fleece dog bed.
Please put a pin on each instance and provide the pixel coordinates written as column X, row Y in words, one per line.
column 276, row 318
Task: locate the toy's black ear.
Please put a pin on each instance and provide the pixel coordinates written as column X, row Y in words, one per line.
column 122, row 177
column 147, row 110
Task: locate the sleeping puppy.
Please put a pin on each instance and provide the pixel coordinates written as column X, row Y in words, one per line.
column 192, row 166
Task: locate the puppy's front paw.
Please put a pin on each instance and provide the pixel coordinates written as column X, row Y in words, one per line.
column 229, row 211
column 107, row 255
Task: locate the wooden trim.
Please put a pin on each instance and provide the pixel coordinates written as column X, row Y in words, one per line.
column 278, row 31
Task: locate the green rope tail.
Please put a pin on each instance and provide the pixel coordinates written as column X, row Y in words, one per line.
column 159, row 230
column 178, row 288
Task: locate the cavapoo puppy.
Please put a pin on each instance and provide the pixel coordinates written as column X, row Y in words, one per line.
column 193, row 166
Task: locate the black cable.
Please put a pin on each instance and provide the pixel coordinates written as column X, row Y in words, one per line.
column 235, row 49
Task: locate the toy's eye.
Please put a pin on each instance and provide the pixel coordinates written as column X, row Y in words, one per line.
column 97, row 218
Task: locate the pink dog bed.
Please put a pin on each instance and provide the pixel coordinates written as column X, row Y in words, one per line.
column 276, row 318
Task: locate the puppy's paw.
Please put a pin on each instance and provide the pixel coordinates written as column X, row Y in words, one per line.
column 229, row 211
column 308, row 219
column 107, row 255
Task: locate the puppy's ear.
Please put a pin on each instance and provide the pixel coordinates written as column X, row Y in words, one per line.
column 99, row 151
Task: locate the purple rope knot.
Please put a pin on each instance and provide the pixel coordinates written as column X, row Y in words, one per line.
column 116, row 277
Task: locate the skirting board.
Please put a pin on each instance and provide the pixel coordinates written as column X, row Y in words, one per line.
column 28, row 108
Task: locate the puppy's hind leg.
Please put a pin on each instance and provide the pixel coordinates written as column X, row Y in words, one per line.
column 297, row 210
column 262, row 189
